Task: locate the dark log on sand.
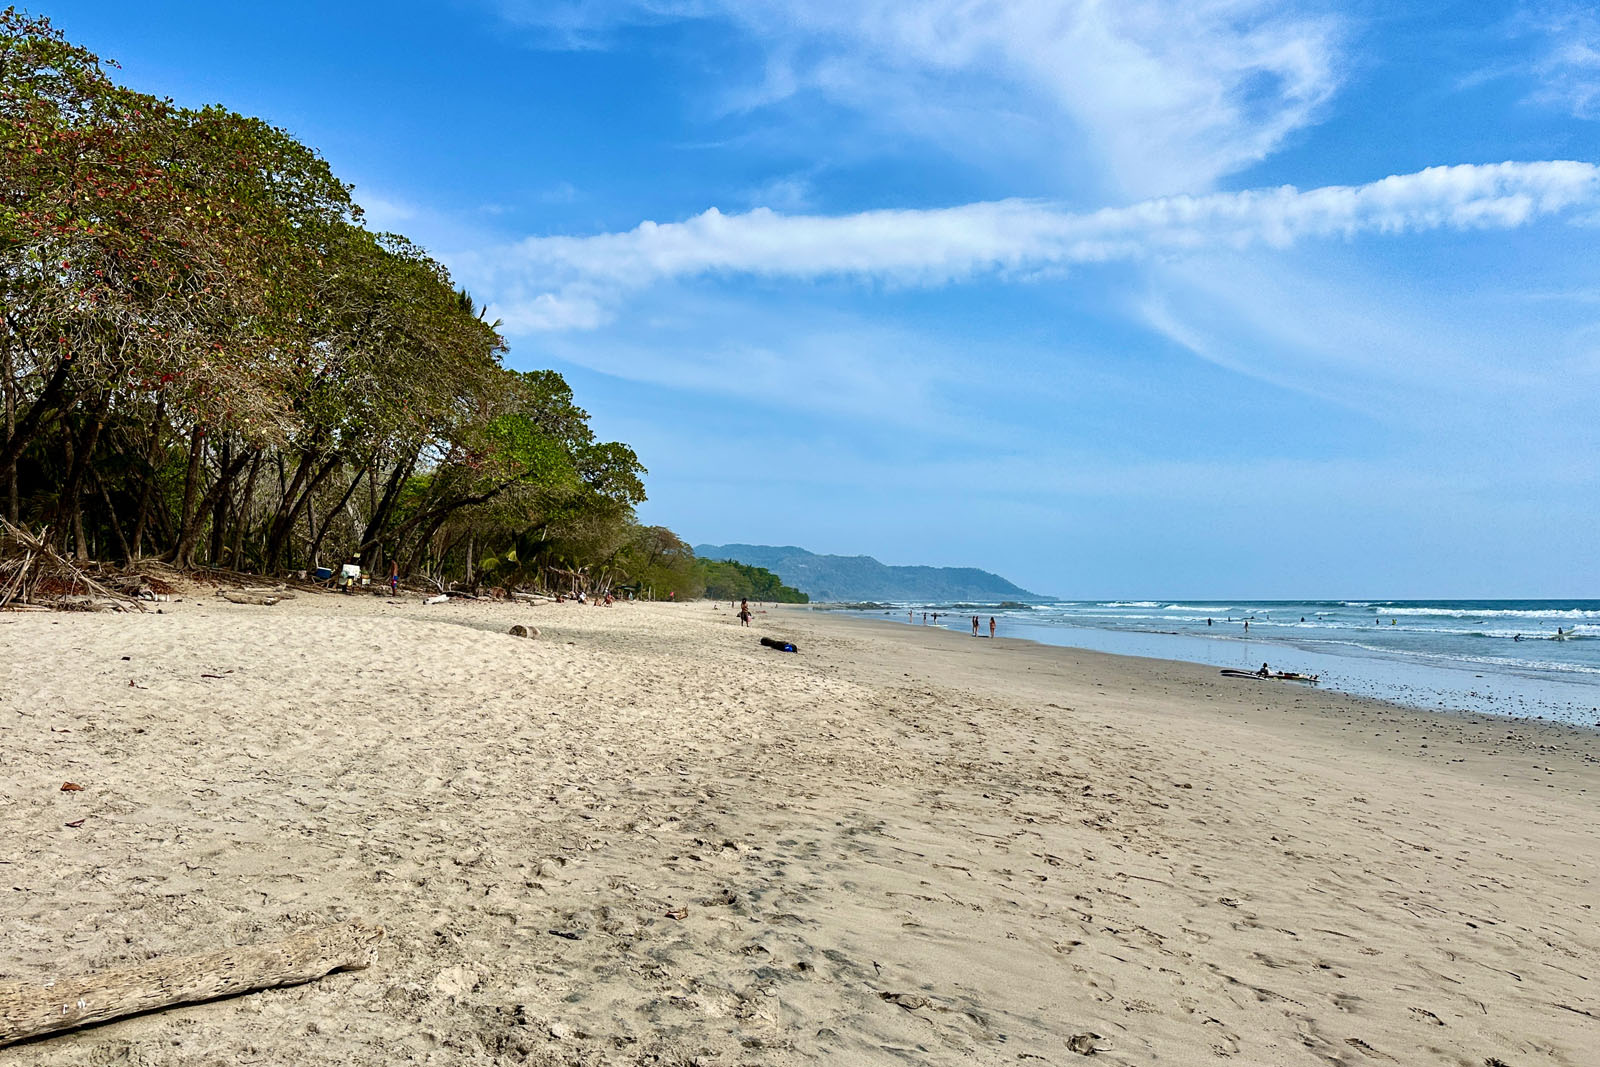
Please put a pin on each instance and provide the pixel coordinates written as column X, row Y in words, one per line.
column 32, row 1009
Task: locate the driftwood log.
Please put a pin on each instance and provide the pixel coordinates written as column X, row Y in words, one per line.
column 239, row 596
column 32, row 1009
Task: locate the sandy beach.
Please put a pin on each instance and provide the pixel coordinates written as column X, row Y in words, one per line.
column 642, row 838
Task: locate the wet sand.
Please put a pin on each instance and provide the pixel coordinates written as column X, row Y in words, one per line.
column 643, row 838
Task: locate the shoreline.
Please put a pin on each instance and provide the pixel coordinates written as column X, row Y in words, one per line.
column 1205, row 678
column 1419, row 683
column 643, row 838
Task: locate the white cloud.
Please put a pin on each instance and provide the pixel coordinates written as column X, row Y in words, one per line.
column 562, row 282
column 1169, row 94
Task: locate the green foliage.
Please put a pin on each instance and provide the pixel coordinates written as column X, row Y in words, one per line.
column 730, row 580
column 200, row 337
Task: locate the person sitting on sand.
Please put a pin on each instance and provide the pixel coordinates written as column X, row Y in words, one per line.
column 1264, row 672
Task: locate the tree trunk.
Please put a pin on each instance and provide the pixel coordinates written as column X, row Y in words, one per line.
column 350, row 490
column 13, row 508
column 183, row 552
column 145, row 490
column 69, row 506
column 219, row 510
column 385, row 506
column 242, row 522
column 191, row 487
column 296, row 496
column 24, row 432
column 111, row 517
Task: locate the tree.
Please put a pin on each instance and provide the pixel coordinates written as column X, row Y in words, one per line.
column 205, row 354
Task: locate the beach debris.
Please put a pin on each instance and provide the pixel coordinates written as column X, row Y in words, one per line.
column 908, row 1001
column 75, row 823
column 780, row 645
column 520, row 630
column 456, row 981
column 51, row 1005
column 570, row 935
column 677, row 913
column 263, row 598
column 34, row 574
column 440, row 599
column 1228, row 902
column 1277, row 676
column 71, row 787
column 1086, row 1043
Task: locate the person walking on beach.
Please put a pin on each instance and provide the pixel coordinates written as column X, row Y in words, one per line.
column 974, row 626
column 394, row 578
column 744, row 613
column 991, row 627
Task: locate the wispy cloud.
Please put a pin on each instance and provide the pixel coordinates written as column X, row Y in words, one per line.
column 385, row 213
column 1568, row 68
column 1169, row 96
column 553, row 283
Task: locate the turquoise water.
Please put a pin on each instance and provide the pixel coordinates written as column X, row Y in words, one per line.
column 1537, row 658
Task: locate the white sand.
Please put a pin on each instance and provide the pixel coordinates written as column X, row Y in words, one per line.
column 1016, row 844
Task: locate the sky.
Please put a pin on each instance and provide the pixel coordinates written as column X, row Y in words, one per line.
column 1133, row 299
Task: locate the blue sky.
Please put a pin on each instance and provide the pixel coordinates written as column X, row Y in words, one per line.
column 1222, row 297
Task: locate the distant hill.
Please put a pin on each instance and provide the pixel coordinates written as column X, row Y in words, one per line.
column 835, row 579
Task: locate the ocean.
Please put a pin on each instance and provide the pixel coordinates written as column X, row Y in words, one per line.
column 1533, row 658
